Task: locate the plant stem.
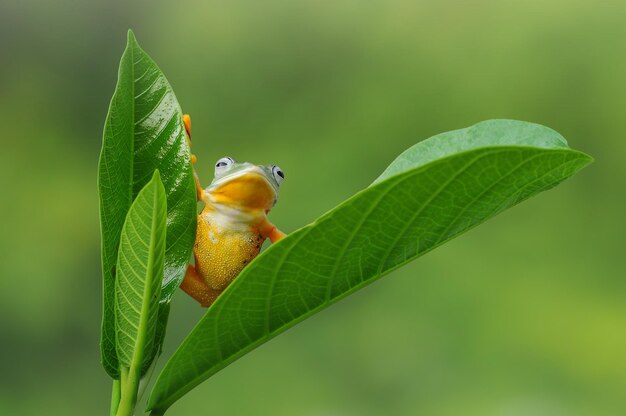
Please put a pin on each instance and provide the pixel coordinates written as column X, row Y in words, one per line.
column 115, row 397
column 130, row 384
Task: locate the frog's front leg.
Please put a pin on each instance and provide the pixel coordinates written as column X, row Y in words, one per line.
column 194, row 159
column 196, row 287
column 269, row 230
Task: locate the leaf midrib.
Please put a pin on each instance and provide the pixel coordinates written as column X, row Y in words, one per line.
column 132, row 124
column 144, row 315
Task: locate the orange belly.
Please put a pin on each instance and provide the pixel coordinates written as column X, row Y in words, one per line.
column 221, row 254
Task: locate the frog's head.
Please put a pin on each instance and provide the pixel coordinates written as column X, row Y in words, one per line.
column 245, row 185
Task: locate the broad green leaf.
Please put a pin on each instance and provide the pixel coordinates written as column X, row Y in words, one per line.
column 435, row 191
column 143, row 132
column 139, row 273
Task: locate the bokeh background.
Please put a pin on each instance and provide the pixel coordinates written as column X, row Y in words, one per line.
column 525, row 315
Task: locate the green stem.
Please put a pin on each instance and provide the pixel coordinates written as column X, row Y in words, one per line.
column 130, row 384
column 156, row 412
column 115, row 397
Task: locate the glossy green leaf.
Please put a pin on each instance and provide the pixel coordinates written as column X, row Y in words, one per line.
column 433, row 192
column 143, row 132
column 139, row 273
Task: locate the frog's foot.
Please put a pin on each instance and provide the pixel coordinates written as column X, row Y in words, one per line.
column 195, row 287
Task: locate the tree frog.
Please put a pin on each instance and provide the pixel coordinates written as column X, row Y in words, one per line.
column 233, row 224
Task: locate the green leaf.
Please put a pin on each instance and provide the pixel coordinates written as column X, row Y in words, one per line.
column 433, row 192
column 143, row 132
column 139, row 273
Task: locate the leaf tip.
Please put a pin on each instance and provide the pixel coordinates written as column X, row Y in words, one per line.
column 158, row 183
column 587, row 160
column 131, row 37
column 132, row 41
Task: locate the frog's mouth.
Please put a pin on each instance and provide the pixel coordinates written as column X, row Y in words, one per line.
column 246, row 190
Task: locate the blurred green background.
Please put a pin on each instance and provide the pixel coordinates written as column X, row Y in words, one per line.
column 525, row 315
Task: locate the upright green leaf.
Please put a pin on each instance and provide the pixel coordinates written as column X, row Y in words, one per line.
column 143, row 132
column 139, row 273
column 435, row 191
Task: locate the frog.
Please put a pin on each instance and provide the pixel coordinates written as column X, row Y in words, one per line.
column 233, row 224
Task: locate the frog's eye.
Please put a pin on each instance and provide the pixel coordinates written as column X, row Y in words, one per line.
column 278, row 173
column 223, row 164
